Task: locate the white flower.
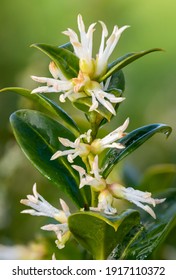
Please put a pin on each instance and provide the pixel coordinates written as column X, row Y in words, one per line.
column 57, row 84
column 105, row 200
column 78, row 148
column 83, row 48
column 96, row 181
column 62, row 232
column 104, row 53
column 99, row 95
column 135, row 196
column 90, row 69
column 98, row 145
column 42, row 208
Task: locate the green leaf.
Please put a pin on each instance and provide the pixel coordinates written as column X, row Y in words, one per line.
column 117, row 83
column 37, row 135
column 64, row 59
column 123, row 61
column 99, row 234
column 48, row 104
column 144, row 240
column 131, row 142
column 68, row 46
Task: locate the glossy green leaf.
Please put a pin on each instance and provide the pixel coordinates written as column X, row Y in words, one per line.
column 123, row 61
column 37, row 135
column 68, row 46
column 145, row 239
column 100, row 234
column 48, row 104
column 117, row 83
column 131, row 142
column 64, row 59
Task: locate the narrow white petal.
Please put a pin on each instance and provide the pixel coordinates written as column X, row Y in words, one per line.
column 158, row 201
column 72, row 156
column 73, row 39
column 67, row 143
column 65, row 95
column 29, row 211
column 79, row 169
column 95, row 168
column 146, row 208
column 65, row 207
column 114, row 99
column 34, row 189
column 56, row 72
column 104, row 35
column 115, row 134
column 62, row 153
column 94, row 105
column 114, row 145
column 49, row 81
column 43, row 89
column 56, row 155
column 113, row 40
column 32, row 199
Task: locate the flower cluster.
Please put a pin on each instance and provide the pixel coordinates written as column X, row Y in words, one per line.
column 42, row 208
column 90, row 69
column 86, row 146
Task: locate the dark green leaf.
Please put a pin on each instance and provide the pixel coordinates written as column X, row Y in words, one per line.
column 143, row 241
column 68, row 46
column 124, row 61
column 117, row 82
column 131, row 142
column 48, row 104
column 64, row 59
column 99, row 234
column 37, row 135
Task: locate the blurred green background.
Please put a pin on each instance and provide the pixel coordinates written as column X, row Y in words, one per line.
column 150, row 98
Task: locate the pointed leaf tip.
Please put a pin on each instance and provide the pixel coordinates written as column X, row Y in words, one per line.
column 132, row 141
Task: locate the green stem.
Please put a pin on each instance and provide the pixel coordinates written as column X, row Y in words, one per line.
column 94, row 198
column 95, row 120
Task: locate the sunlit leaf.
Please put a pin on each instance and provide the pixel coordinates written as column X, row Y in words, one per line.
column 131, row 142
column 37, row 135
column 48, row 104
column 100, row 234
column 64, row 59
column 123, row 61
